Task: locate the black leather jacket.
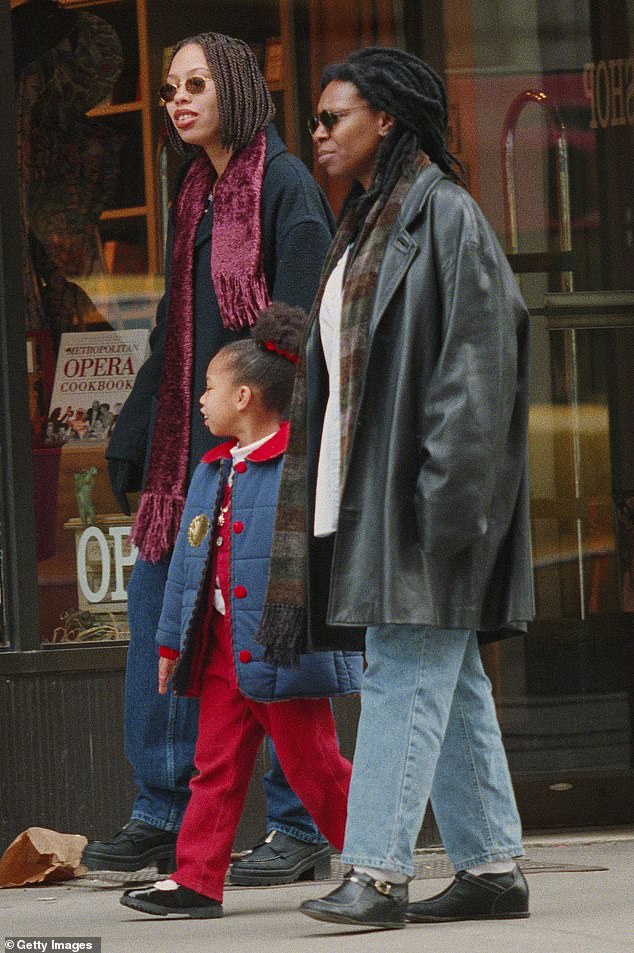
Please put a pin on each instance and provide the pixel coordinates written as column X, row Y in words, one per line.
column 433, row 525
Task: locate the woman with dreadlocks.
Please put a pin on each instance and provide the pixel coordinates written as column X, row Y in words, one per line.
column 409, row 447
column 248, row 224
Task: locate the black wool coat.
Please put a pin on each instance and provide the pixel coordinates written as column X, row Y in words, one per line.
column 433, row 524
column 297, row 227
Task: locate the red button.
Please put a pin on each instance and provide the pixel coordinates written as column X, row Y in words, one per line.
column 239, row 592
column 245, row 656
column 240, row 467
column 238, row 526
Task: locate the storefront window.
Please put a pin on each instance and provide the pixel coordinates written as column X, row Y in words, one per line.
column 90, row 249
column 94, row 179
column 542, row 116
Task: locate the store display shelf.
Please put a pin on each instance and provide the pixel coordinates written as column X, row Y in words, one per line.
column 115, row 109
column 134, row 211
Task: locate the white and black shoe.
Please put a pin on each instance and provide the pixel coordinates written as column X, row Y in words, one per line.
column 167, row 898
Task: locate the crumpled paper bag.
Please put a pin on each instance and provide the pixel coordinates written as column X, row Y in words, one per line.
column 38, row 855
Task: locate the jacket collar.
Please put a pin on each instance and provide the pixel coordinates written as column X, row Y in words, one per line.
column 274, row 447
column 413, row 201
column 274, row 145
column 402, row 247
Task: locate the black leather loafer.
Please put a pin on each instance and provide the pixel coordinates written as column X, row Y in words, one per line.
column 181, row 901
column 487, row 897
column 281, row 859
column 134, row 847
column 362, row 901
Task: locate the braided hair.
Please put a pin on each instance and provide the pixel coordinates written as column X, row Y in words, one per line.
column 412, row 94
column 266, row 361
column 244, row 101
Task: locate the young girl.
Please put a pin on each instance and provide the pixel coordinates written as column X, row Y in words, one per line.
column 211, row 612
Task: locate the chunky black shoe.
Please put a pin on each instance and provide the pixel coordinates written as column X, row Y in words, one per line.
column 362, row 901
column 168, row 897
column 135, row 846
column 281, row 859
column 486, row 897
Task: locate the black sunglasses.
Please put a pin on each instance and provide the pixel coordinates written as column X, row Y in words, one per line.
column 328, row 118
column 195, row 85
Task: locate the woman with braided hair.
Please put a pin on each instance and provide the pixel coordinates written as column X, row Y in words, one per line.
column 409, row 449
column 248, row 224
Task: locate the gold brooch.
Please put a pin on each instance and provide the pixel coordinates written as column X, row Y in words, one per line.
column 198, row 529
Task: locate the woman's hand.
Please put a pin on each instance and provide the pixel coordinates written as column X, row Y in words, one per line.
column 165, row 671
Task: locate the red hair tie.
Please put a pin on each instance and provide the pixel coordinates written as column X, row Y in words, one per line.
column 272, row 346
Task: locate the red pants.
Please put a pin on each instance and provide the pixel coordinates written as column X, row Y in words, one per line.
column 230, row 731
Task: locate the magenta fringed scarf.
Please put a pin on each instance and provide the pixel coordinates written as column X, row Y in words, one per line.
column 240, row 285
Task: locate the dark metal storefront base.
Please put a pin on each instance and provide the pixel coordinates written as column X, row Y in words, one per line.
column 429, row 865
column 62, row 758
column 437, row 866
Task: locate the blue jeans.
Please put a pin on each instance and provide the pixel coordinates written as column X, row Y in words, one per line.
column 428, row 730
column 160, row 730
column 283, row 810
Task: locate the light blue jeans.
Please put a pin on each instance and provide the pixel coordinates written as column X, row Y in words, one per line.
column 428, row 730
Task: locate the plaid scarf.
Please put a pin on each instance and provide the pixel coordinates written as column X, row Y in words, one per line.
column 283, row 627
column 241, row 290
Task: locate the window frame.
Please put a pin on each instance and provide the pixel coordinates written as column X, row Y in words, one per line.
column 19, row 596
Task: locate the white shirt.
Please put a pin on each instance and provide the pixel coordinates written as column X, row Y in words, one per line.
column 241, row 453
column 328, row 491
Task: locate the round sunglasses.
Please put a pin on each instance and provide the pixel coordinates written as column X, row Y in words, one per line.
column 329, row 118
column 195, row 85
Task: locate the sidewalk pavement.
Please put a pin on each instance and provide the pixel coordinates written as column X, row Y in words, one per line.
column 582, row 901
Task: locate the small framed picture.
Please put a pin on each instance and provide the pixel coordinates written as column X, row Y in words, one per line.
column 273, row 69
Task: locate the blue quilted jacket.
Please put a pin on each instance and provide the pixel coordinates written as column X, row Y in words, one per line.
column 254, row 499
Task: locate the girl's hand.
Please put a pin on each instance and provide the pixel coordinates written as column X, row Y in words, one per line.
column 165, row 671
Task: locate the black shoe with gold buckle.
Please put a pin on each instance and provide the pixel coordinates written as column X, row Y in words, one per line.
column 362, row 901
column 487, row 897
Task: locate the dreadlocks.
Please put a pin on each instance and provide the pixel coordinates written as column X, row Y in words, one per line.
column 244, row 101
column 409, row 91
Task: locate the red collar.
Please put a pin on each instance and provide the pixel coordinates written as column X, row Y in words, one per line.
column 275, row 446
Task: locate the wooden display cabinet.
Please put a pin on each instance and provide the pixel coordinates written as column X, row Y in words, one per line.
column 132, row 221
column 130, row 230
